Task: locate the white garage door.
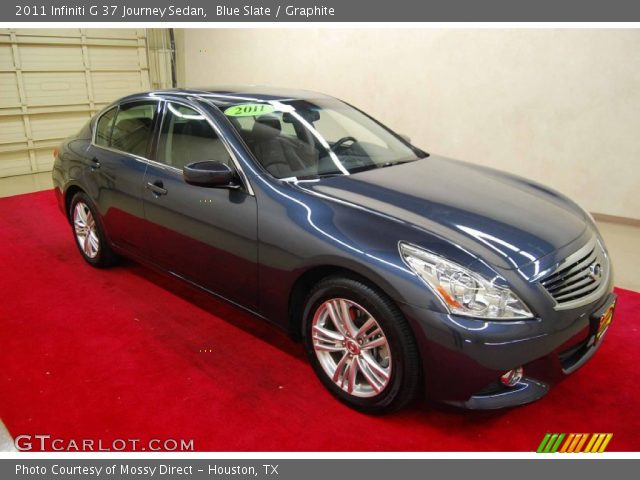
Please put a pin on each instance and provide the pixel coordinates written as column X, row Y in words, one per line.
column 53, row 81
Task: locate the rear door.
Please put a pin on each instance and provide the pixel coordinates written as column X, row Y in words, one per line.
column 118, row 161
column 207, row 235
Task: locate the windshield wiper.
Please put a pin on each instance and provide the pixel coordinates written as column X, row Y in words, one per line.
column 396, row 162
column 316, row 176
column 363, row 168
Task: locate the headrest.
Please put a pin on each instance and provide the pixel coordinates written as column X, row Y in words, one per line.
column 310, row 116
column 197, row 128
column 130, row 124
column 266, row 127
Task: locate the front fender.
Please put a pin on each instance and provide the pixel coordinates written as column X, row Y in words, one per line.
column 299, row 232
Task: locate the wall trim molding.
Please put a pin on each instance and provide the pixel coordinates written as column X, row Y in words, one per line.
column 604, row 217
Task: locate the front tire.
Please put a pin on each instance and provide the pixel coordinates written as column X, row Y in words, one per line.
column 89, row 233
column 360, row 345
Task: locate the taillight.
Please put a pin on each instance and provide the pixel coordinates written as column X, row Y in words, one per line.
column 56, row 152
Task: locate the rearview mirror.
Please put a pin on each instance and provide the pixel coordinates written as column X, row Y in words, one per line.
column 209, row 174
column 406, row 138
column 310, row 116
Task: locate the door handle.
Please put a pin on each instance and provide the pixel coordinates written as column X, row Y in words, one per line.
column 95, row 163
column 156, row 187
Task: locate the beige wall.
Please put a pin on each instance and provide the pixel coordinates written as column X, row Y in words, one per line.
column 557, row 106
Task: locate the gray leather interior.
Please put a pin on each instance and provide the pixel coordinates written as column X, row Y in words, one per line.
column 192, row 141
column 281, row 156
column 132, row 135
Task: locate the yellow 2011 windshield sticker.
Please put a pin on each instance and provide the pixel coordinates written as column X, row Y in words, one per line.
column 249, row 110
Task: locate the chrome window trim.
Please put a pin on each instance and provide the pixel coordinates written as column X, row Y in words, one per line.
column 216, row 129
column 256, row 162
column 138, row 157
column 594, row 242
column 121, row 152
column 117, row 106
column 94, row 126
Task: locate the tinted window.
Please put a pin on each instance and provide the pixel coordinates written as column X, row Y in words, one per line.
column 103, row 128
column 245, row 125
column 133, row 127
column 187, row 137
column 317, row 137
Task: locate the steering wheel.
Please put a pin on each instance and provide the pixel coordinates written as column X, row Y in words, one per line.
column 339, row 143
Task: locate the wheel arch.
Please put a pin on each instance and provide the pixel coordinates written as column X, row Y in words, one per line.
column 312, row 275
column 69, row 193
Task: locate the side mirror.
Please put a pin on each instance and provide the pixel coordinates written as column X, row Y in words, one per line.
column 406, row 138
column 209, row 174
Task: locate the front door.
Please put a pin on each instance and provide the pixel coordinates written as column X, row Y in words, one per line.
column 206, row 235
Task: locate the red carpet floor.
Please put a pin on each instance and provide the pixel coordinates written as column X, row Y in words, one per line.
column 119, row 353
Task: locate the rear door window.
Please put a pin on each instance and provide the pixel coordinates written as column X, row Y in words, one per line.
column 133, row 127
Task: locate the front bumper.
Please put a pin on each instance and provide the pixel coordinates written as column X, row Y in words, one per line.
column 463, row 358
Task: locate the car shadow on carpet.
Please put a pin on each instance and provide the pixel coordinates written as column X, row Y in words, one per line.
column 439, row 415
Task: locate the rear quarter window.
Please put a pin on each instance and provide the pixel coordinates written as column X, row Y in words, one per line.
column 104, row 127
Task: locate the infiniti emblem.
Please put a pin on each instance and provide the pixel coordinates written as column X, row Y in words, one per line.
column 595, row 271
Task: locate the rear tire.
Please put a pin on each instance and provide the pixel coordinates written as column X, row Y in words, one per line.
column 88, row 232
column 370, row 361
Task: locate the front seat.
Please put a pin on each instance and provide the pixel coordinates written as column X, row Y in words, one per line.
column 195, row 141
column 272, row 150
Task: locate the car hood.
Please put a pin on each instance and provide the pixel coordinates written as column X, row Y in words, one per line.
column 506, row 220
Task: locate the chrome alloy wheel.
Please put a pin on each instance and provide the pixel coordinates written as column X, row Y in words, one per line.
column 351, row 347
column 85, row 228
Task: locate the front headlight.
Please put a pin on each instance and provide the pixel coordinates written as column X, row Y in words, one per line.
column 464, row 291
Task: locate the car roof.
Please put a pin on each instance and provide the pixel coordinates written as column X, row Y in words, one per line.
column 231, row 94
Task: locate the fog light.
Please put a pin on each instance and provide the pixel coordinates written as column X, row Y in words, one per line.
column 512, row 377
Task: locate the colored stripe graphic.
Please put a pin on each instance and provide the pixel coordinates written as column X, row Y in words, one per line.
column 603, row 447
column 557, row 444
column 587, row 449
column 582, row 442
column 543, row 443
column 567, row 443
column 574, row 443
column 550, row 443
column 596, row 445
column 576, row 439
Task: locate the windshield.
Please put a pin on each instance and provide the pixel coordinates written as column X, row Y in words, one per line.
column 305, row 139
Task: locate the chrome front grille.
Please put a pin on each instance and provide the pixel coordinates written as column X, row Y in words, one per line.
column 580, row 278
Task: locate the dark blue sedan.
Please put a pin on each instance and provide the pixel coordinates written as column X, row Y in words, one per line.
column 404, row 274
